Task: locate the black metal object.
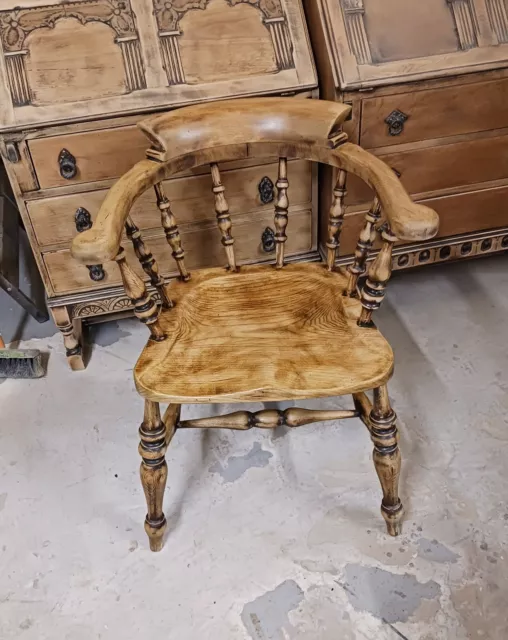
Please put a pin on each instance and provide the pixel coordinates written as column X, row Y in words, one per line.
column 266, row 190
column 12, row 151
column 97, row 272
column 395, row 122
column 83, row 219
column 268, row 240
column 67, row 163
column 39, row 313
column 10, row 239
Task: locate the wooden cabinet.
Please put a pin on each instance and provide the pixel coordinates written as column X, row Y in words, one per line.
column 75, row 78
column 429, row 88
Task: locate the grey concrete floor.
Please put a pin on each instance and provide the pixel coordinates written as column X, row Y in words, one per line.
column 271, row 535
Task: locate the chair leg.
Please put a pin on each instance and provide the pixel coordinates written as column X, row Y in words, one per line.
column 387, row 458
column 154, row 472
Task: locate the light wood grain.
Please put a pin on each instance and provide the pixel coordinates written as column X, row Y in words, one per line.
column 154, row 471
column 387, row 459
column 268, row 419
column 383, row 57
column 71, row 332
column 391, row 42
column 303, row 344
column 449, row 166
column 97, row 72
column 244, row 48
column 443, row 167
column 464, row 109
column 191, row 201
column 100, row 155
column 463, row 213
column 226, row 50
column 239, row 122
column 208, row 133
column 202, row 249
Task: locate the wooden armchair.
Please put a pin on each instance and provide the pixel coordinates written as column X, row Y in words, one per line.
column 259, row 333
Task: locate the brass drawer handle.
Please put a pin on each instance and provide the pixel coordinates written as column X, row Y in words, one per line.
column 395, row 122
column 83, row 221
column 266, row 190
column 67, row 163
column 268, row 240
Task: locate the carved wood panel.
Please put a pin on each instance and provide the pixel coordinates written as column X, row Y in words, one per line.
column 466, row 22
column 169, row 13
column 498, row 16
column 354, row 15
column 464, row 16
column 17, row 24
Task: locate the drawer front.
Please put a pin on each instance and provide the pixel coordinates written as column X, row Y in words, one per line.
column 462, row 213
column 54, row 222
column 203, row 248
column 434, row 113
column 443, row 167
column 98, row 155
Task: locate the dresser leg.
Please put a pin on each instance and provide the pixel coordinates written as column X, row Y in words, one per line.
column 71, row 331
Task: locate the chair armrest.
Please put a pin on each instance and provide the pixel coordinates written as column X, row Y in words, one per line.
column 101, row 243
column 408, row 221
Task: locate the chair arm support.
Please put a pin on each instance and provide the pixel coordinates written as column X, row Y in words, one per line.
column 101, row 243
column 408, row 221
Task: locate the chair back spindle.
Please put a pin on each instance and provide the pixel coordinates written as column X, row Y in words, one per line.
column 380, row 271
column 336, row 219
column 281, row 211
column 147, row 261
column 223, row 218
column 171, row 230
column 145, row 308
column 363, row 247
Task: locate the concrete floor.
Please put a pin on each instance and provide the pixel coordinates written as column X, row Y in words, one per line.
column 271, row 535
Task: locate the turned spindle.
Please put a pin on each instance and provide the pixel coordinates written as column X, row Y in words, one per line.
column 223, row 218
column 281, row 211
column 171, row 231
column 373, row 291
column 147, row 261
column 336, row 219
column 364, row 245
column 145, row 308
column 267, row 419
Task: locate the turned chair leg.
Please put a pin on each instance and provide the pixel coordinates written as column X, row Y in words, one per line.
column 387, row 459
column 154, row 471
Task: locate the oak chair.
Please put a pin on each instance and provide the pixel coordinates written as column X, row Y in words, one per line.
column 269, row 332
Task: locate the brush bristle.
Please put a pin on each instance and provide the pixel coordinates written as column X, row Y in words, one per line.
column 21, row 364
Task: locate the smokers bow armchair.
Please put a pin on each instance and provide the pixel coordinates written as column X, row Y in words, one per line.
column 268, row 332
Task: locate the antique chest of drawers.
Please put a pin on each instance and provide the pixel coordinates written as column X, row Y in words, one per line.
column 429, row 88
column 76, row 76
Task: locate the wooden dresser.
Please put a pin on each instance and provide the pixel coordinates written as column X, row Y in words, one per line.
column 429, row 90
column 76, row 76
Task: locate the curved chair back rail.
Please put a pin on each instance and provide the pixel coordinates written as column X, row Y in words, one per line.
column 239, row 129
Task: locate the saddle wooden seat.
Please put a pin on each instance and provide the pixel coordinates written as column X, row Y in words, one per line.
column 271, row 332
column 262, row 335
